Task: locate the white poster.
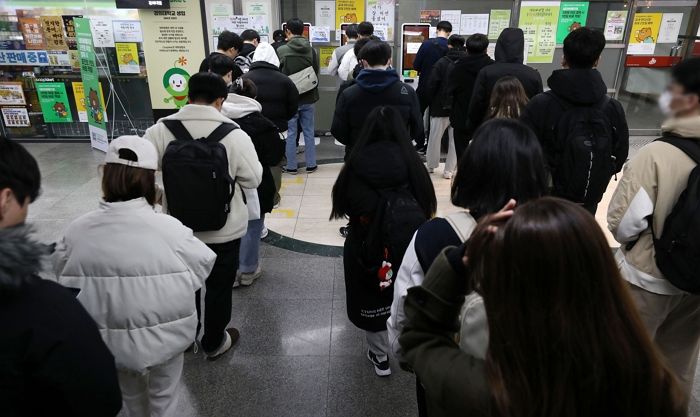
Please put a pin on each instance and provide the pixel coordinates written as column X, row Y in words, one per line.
column 320, row 34
column 473, row 23
column 102, row 31
column 15, row 117
column 325, row 13
column 452, row 16
column 382, row 32
column 670, row 27
column 221, row 9
column 59, row 58
column 261, row 11
column 412, row 47
column 127, row 31
column 382, row 14
column 615, row 24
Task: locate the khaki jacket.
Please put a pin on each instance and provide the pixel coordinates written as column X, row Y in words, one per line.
column 650, row 186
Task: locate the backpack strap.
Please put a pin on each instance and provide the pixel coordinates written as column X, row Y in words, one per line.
column 463, row 224
column 178, row 129
column 566, row 104
column 691, row 147
column 220, row 132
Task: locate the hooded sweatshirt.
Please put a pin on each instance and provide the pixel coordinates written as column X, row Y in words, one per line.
column 509, row 61
column 266, row 53
column 461, row 86
column 53, row 361
column 578, row 87
column 438, row 92
column 650, row 186
column 374, row 88
column 295, row 56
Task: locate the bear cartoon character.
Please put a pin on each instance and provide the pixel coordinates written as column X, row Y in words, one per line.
column 644, row 35
column 574, row 26
column 94, row 106
column 60, row 109
column 350, row 18
column 175, row 81
column 128, row 59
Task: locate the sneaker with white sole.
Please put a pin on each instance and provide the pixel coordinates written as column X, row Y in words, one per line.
column 247, row 278
column 381, row 368
column 431, row 170
column 447, row 175
column 264, row 232
column 237, row 281
column 231, row 336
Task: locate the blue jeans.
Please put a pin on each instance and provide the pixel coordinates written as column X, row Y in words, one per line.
column 250, row 246
column 306, row 116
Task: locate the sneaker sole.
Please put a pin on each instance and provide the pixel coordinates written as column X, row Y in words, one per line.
column 379, row 372
column 237, row 335
column 250, row 281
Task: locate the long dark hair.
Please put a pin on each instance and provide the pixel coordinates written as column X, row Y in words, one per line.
column 565, row 338
column 385, row 124
column 508, row 99
column 503, row 161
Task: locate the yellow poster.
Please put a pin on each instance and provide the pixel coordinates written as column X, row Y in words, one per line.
column 173, row 46
column 325, row 55
column 53, row 33
column 349, row 11
column 79, row 94
column 128, row 58
column 645, row 31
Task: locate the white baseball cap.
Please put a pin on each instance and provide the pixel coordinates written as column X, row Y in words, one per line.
column 142, row 151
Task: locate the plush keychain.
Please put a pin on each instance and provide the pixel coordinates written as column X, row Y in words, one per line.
column 385, row 273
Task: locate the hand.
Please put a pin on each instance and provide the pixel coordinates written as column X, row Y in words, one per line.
column 492, row 222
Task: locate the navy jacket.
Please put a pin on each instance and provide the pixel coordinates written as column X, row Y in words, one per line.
column 428, row 54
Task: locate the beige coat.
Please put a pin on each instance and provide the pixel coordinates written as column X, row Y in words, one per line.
column 650, row 186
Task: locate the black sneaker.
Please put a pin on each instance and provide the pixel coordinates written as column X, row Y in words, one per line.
column 344, row 231
column 381, row 368
column 310, row 170
column 290, row 171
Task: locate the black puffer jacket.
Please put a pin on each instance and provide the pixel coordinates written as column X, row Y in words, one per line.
column 53, row 361
column 372, row 89
column 461, row 85
column 509, row 61
column 438, row 89
column 276, row 92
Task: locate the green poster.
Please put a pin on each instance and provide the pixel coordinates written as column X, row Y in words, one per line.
column 91, row 84
column 538, row 20
column 572, row 15
column 499, row 20
column 53, row 100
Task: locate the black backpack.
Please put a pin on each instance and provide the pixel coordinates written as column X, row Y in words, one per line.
column 196, row 178
column 585, row 141
column 678, row 247
column 397, row 217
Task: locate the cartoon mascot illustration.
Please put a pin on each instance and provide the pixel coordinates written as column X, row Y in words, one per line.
column 175, row 81
column 60, row 109
column 94, row 106
column 644, row 35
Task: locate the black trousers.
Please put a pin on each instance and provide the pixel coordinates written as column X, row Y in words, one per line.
column 420, row 398
column 461, row 142
column 218, row 299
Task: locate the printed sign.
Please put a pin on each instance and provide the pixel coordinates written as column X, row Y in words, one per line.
column 572, row 15
column 70, row 31
column 473, row 23
column 499, row 20
column 31, row 31
column 33, row 58
column 11, row 93
column 538, row 20
column 325, row 55
column 53, row 32
column 349, row 11
column 615, row 23
column 128, row 58
column 429, row 16
column 15, row 117
column 645, row 32
column 260, row 10
column 381, row 13
column 670, row 27
column 127, row 31
column 325, row 13
column 102, row 31
column 59, row 58
column 320, row 34
column 79, row 96
column 54, row 103
column 452, row 16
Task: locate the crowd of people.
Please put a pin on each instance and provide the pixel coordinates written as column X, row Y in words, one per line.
column 513, row 306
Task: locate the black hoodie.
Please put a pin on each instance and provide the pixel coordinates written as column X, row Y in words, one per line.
column 276, row 92
column 53, row 361
column 437, row 92
column 581, row 87
column 461, row 86
column 509, row 61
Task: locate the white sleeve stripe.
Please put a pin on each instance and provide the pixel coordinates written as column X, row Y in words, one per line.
column 635, row 220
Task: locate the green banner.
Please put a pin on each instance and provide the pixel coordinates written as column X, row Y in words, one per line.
column 572, row 15
column 53, row 100
column 91, row 84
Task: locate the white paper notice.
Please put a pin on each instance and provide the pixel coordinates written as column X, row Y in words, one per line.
column 641, row 49
column 474, row 23
column 615, row 25
column 320, row 34
column 432, row 32
column 491, row 50
column 102, row 31
column 412, row 47
column 325, row 13
column 127, row 31
column 670, row 27
column 452, row 16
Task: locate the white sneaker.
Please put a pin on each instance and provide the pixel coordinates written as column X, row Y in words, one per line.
column 247, row 278
column 431, row 170
column 231, row 336
column 447, row 175
column 381, row 367
column 264, row 232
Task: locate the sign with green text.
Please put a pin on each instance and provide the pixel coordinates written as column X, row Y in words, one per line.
column 572, row 15
column 538, row 20
column 53, row 100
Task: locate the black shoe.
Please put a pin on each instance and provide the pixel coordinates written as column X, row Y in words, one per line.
column 421, row 149
column 311, row 170
column 381, row 368
column 344, row 231
column 290, row 171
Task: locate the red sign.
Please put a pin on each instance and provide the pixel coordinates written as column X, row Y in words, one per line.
column 696, row 48
column 652, row 61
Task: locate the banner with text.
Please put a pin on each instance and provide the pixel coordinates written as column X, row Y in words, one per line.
column 538, row 19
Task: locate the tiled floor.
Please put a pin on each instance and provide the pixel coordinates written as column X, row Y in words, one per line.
column 298, row 354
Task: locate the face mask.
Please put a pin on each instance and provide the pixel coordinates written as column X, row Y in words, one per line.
column 665, row 103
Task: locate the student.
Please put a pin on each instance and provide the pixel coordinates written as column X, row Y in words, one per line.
column 440, row 103
column 353, row 72
column 54, row 362
column 650, row 187
column 226, row 67
column 508, row 99
column 207, row 92
column 461, row 85
column 338, row 53
column 245, row 111
column 349, row 61
column 579, row 91
column 382, row 158
column 251, row 39
column 229, row 44
column 144, row 307
column 295, row 56
column 279, row 38
column 503, row 160
column 377, row 85
column 428, row 54
column 564, row 335
column 509, row 54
